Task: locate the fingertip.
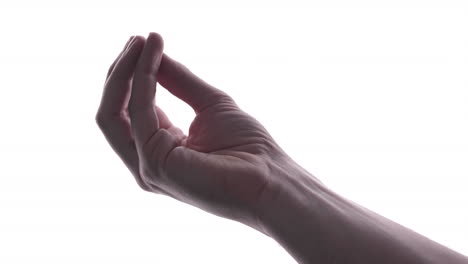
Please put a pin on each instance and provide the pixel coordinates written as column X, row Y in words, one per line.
column 156, row 38
column 136, row 46
column 129, row 41
column 154, row 35
column 138, row 40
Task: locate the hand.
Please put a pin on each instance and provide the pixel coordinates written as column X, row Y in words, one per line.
column 230, row 166
column 224, row 166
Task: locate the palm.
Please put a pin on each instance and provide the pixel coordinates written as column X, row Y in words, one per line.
column 230, row 173
column 224, row 128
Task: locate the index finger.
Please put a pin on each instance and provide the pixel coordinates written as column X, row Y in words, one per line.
column 143, row 117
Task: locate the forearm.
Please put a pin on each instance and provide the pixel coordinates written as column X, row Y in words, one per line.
column 316, row 225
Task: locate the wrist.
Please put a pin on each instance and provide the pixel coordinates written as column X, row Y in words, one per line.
column 301, row 214
column 316, row 225
column 312, row 223
column 291, row 189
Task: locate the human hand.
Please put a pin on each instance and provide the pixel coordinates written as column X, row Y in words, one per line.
column 224, row 166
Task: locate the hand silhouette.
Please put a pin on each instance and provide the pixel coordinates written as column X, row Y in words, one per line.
column 223, row 166
column 229, row 165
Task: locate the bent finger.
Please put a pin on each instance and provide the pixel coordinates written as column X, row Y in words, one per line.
column 143, row 117
column 112, row 116
column 111, row 68
column 117, row 88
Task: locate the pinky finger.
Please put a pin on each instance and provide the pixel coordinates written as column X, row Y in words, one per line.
column 111, row 68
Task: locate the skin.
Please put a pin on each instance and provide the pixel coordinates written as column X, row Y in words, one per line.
column 230, row 166
column 223, row 166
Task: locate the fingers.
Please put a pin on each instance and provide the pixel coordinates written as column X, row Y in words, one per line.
column 182, row 83
column 117, row 88
column 111, row 68
column 144, row 120
column 112, row 117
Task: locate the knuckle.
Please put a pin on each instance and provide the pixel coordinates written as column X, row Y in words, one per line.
column 101, row 120
column 106, row 120
column 144, row 186
column 147, row 174
column 223, row 97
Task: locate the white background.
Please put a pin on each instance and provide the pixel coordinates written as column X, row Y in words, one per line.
column 369, row 96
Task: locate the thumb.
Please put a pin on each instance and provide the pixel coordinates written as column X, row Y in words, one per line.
column 188, row 87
